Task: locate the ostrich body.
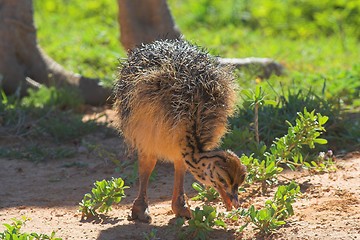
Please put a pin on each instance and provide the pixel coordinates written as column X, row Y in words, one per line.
column 172, row 102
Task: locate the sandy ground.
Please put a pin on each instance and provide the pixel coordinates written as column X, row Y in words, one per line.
column 49, row 193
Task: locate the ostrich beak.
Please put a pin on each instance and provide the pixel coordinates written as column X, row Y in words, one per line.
column 235, row 200
column 229, row 199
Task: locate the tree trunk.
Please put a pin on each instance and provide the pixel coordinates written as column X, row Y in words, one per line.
column 21, row 57
column 145, row 21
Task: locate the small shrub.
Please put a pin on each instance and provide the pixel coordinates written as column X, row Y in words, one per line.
column 285, row 150
column 202, row 223
column 275, row 212
column 102, row 196
column 12, row 232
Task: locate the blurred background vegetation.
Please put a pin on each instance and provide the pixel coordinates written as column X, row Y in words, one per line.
column 307, row 36
column 318, row 42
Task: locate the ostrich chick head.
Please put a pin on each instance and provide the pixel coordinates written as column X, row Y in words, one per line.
column 223, row 171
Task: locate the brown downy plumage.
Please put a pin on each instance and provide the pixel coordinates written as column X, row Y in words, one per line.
column 172, row 101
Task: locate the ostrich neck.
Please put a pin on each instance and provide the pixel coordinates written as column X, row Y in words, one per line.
column 193, row 146
column 191, row 151
column 200, row 162
column 196, row 158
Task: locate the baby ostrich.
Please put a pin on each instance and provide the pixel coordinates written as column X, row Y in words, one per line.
column 172, row 101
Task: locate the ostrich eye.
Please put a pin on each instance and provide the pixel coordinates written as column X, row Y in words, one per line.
column 223, row 181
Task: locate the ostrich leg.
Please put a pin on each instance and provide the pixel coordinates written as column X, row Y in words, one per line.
column 140, row 208
column 179, row 205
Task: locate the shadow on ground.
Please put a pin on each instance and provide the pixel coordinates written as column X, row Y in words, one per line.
column 49, row 184
column 139, row 231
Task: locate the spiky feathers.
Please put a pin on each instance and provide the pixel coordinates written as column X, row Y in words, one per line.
column 170, row 93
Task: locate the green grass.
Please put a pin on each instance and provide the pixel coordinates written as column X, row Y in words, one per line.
column 45, row 125
column 294, row 18
column 81, row 35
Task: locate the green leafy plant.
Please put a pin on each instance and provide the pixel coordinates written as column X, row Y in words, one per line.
column 204, row 194
column 285, row 150
column 203, row 222
column 12, row 232
column 256, row 99
column 102, row 196
column 273, row 214
column 263, row 171
column 307, row 130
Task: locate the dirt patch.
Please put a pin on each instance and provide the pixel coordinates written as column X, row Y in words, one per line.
column 49, row 192
column 330, row 208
